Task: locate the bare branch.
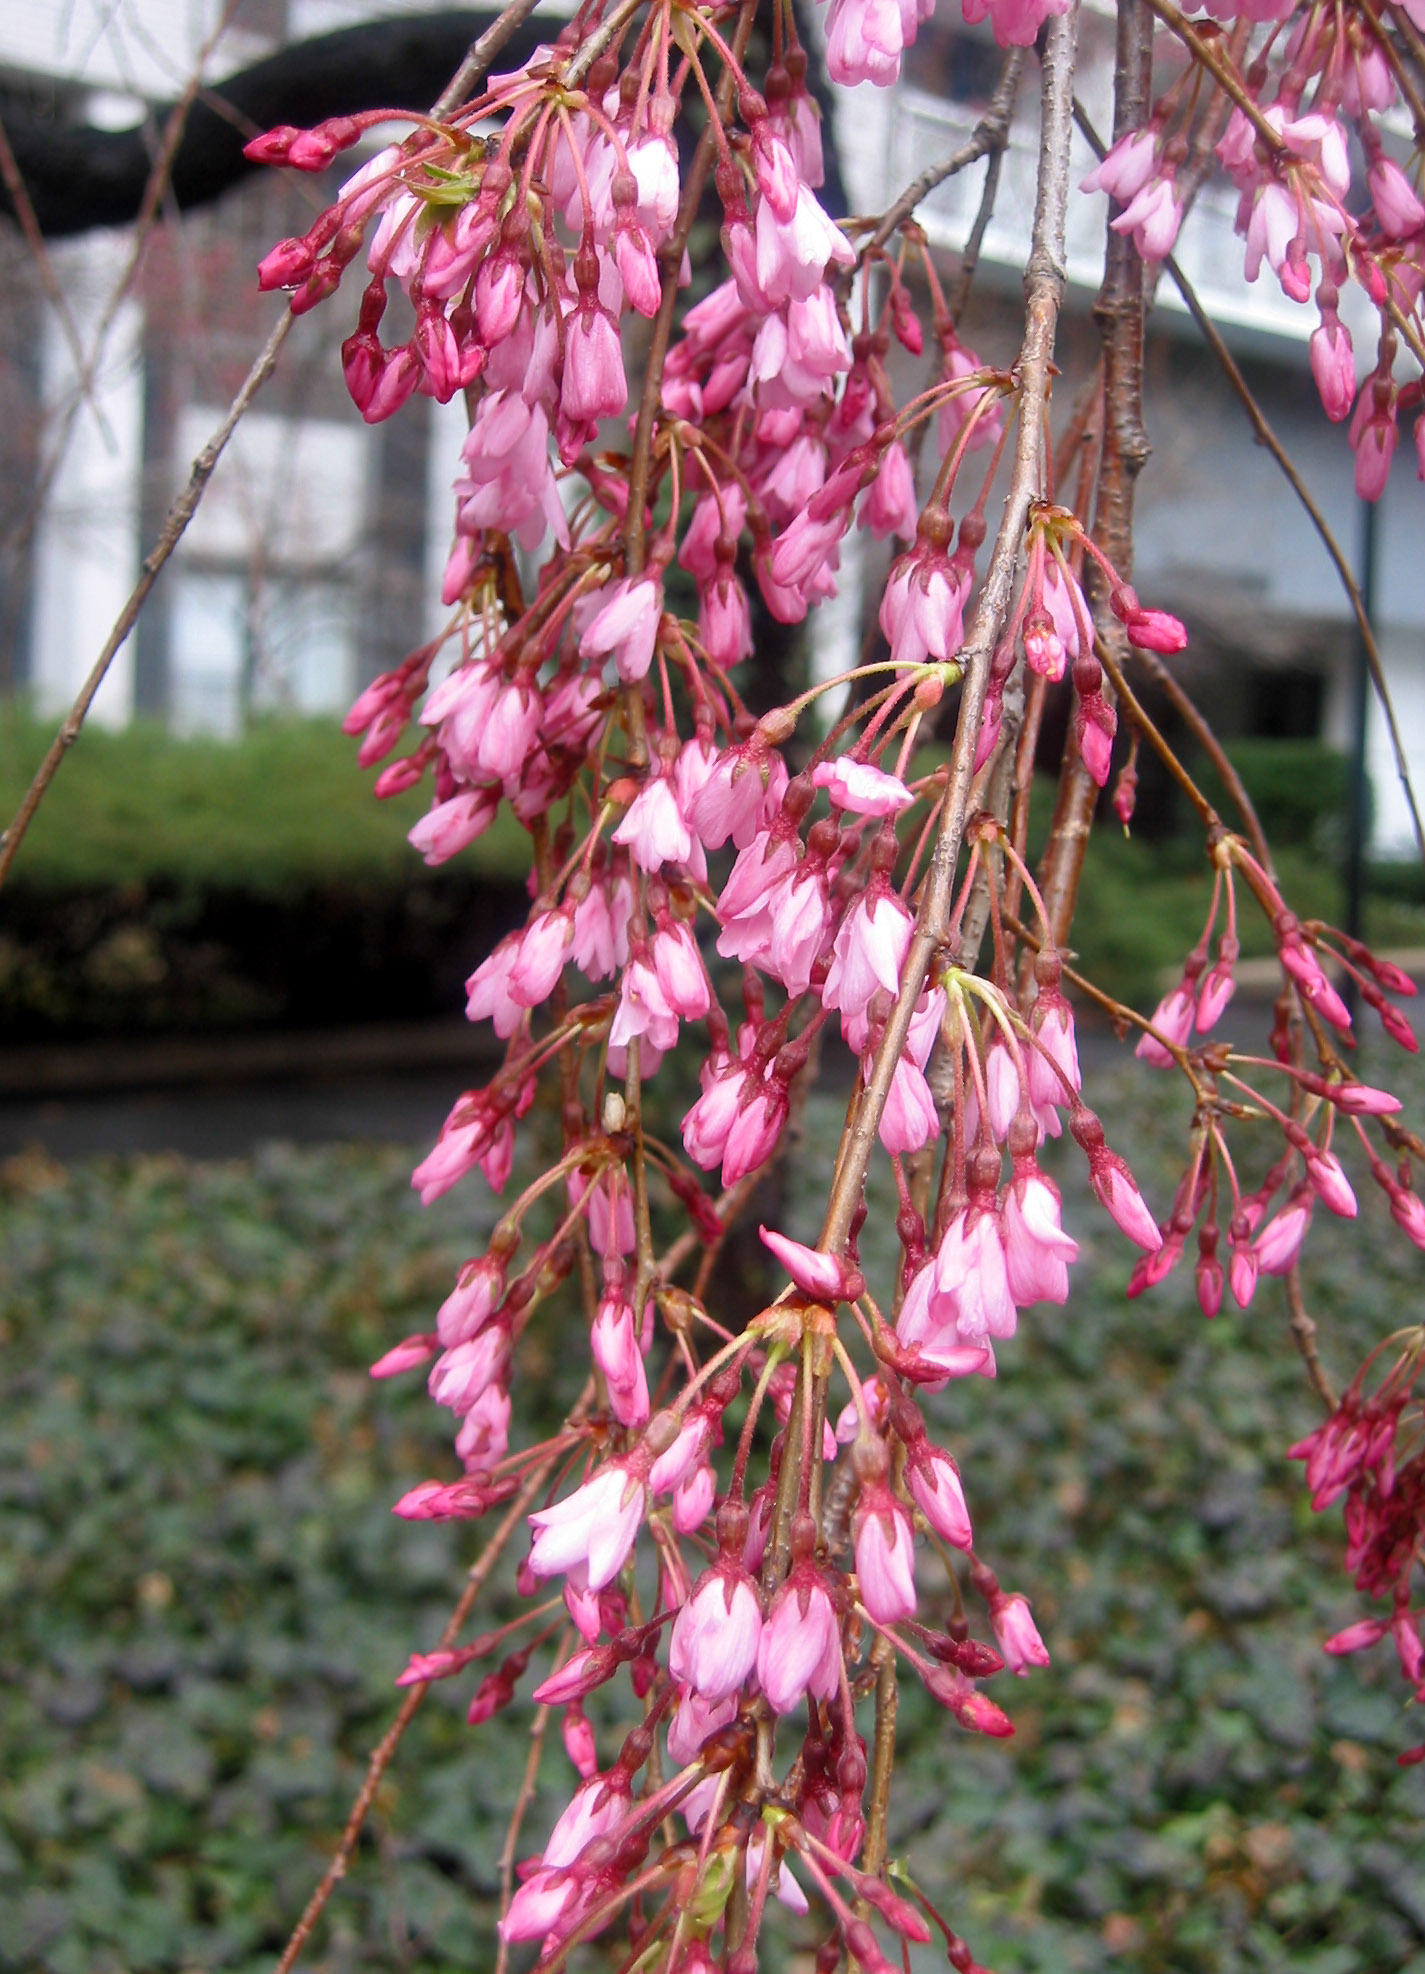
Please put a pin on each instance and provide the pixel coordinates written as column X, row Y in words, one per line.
column 384, row 1752
column 1044, row 283
column 988, row 138
column 171, row 533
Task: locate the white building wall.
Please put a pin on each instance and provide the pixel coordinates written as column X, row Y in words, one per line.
column 87, row 544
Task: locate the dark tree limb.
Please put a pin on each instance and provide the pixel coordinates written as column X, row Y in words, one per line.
column 78, row 177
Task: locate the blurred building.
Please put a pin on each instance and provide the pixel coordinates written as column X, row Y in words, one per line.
column 313, row 560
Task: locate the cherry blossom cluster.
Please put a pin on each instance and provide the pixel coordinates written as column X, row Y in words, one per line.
column 1311, row 88
column 753, row 1518
column 1369, row 1454
column 1266, row 1228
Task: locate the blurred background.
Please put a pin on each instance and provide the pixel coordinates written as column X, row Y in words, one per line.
column 229, row 1021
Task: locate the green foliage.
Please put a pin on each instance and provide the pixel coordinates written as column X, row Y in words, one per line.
column 1142, row 906
column 204, row 1598
column 1301, row 790
column 286, row 804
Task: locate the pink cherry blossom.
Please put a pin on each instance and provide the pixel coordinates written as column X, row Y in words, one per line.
column 1037, row 1251
column 885, row 1555
column 799, row 1651
column 869, row 951
column 823, row 1276
column 597, row 1807
column 654, row 830
column 1153, row 217
column 713, row 1647
column 625, row 626
column 591, row 1532
column 1278, row 1241
column 865, row 790
column 934, row 1482
column 1017, row 1633
column 613, row 1343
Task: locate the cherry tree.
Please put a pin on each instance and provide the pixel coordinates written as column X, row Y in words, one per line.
column 734, row 1526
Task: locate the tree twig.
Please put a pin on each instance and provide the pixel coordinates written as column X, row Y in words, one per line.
column 483, row 51
column 1207, row 740
column 171, row 533
column 14, row 183
column 528, row 1783
column 385, row 1749
column 1123, row 452
column 989, row 137
column 1303, row 1330
column 1044, row 283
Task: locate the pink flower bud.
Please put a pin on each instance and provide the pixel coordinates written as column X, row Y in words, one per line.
column 934, row 1482
column 1018, row 1635
column 1279, row 1241
column 885, row 1555
column 579, row 1741
column 973, row 1709
column 1242, row 1274
column 824, row 1277
column 1114, row 1184
column 287, row 265
column 715, row 1636
column 539, row 1904
column 1216, row 991
column 1356, row 1637
column 1173, row 1018
column 592, row 1530
column 1333, row 366
column 1397, row 205
column 1408, row 1212
column 857, row 786
column 578, row 1676
column 1332, row 1186
column 800, row 1648
column 406, row 1356
column 693, row 1500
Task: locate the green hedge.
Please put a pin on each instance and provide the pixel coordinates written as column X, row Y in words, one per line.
column 1301, row 789
column 285, row 804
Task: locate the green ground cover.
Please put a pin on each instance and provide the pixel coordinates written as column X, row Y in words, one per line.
column 204, row 1598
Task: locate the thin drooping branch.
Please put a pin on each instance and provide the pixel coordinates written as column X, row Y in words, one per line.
column 156, row 188
column 13, row 181
column 81, row 177
column 481, row 54
column 170, row 534
column 385, row 1750
column 988, row 139
column 1187, row 711
column 1303, row 1330
column 1044, row 283
column 959, row 295
column 1123, row 452
column 1268, row 438
column 185, row 505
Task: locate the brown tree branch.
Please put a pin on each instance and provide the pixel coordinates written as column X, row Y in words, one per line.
column 1044, row 283
column 175, row 523
column 988, row 138
column 384, row 1752
column 1303, row 1330
column 1119, row 312
column 186, row 504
